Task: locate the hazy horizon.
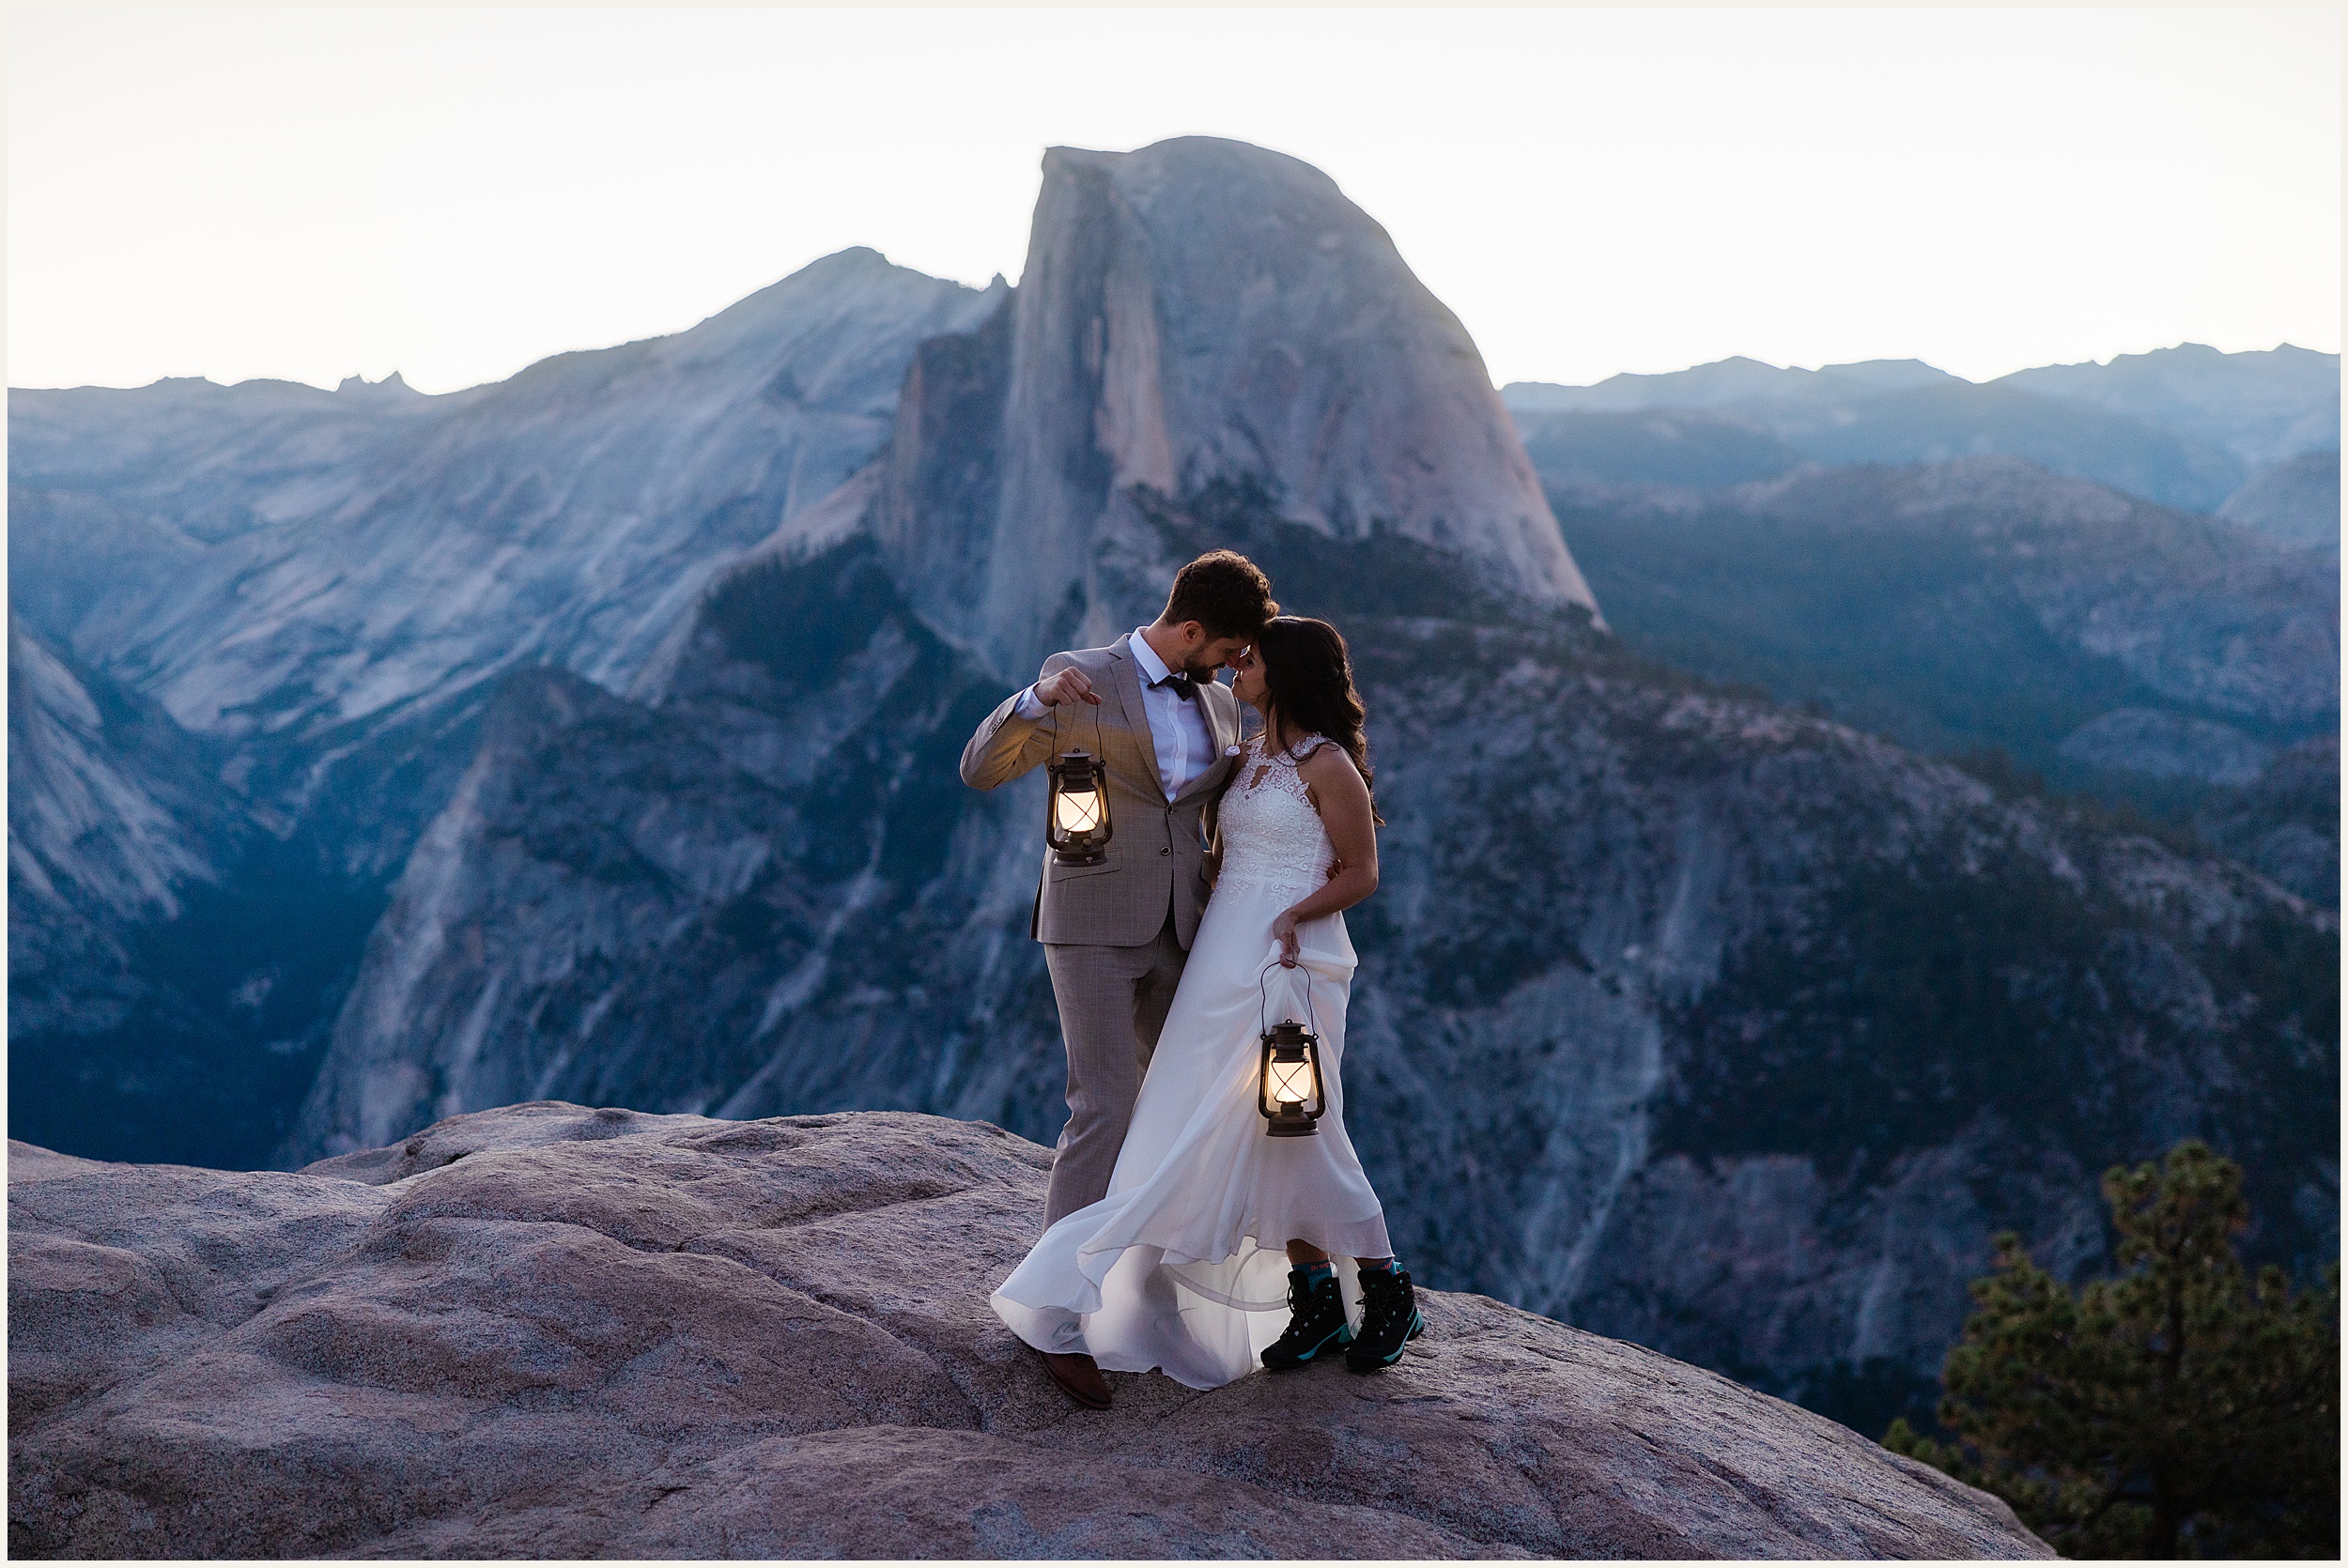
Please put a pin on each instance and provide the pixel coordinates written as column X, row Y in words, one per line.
column 1544, row 380
column 307, row 194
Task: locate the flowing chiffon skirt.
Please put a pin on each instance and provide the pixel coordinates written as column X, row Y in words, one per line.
column 1182, row 1267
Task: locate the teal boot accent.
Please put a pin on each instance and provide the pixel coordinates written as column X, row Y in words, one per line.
column 1390, row 1320
column 1316, row 1320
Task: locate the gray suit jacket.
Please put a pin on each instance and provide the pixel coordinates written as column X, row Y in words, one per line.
column 1157, row 848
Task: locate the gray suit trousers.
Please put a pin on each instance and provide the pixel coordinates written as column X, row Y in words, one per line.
column 1113, row 1001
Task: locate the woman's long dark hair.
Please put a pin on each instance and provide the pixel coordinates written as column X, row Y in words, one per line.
column 1308, row 680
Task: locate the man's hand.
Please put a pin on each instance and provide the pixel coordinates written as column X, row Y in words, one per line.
column 1069, row 685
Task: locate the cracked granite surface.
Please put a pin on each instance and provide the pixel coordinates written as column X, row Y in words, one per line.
column 546, row 1331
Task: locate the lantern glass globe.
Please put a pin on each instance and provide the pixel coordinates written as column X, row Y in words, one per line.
column 1292, row 1082
column 1078, row 810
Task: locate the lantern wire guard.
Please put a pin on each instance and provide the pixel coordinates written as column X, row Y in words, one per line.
column 1291, row 1061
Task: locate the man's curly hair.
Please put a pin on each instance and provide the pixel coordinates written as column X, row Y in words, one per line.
column 1224, row 592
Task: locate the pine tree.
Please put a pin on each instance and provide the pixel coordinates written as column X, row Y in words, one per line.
column 2181, row 1406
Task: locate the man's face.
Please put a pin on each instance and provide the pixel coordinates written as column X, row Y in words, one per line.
column 1215, row 654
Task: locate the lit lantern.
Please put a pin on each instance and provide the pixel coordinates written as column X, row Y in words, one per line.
column 1291, row 1097
column 1077, row 828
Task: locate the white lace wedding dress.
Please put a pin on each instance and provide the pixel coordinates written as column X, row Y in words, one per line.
column 1182, row 1268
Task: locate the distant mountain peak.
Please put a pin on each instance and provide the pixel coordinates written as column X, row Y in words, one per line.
column 842, row 278
column 394, row 385
column 851, row 261
column 2260, row 406
column 1735, row 379
column 1891, row 374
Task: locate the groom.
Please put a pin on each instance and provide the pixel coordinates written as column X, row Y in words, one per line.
column 1116, row 935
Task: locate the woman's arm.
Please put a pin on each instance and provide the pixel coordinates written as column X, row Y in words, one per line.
column 1335, row 789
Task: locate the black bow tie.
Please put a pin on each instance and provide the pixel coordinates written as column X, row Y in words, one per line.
column 1183, row 684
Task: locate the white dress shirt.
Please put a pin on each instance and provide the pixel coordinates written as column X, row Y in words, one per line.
column 1177, row 729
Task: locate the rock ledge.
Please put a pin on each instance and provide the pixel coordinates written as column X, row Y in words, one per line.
column 551, row 1331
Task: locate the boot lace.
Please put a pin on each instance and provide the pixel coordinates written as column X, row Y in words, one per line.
column 1303, row 1305
column 1381, row 1301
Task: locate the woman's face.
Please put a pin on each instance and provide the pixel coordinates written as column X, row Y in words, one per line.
column 1247, row 678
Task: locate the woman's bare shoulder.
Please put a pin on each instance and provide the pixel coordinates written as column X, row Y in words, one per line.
column 1328, row 762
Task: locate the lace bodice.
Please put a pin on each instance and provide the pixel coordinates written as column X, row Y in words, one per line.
column 1272, row 839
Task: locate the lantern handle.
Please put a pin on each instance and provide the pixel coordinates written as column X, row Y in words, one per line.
column 1263, row 1001
column 1099, row 750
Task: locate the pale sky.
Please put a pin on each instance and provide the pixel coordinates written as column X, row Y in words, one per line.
column 455, row 193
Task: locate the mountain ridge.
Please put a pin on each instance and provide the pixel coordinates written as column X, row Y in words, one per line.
column 2154, row 658
column 323, row 597
column 2184, row 426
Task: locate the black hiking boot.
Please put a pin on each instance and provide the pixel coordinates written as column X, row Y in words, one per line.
column 1390, row 1320
column 1315, row 1322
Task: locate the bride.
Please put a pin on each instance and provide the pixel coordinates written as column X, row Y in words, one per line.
column 1178, row 1269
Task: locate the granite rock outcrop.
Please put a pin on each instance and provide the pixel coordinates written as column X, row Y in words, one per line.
column 546, row 1330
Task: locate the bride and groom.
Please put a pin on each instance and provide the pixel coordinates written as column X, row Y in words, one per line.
column 1173, row 1222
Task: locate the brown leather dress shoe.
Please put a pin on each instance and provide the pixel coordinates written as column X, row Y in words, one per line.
column 1080, row 1375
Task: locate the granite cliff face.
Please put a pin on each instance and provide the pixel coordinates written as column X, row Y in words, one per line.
column 145, row 976
column 312, row 597
column 551, row 1331
column 768, row 888
column 1198, row 315
column 103, row 834
column 110, row 818
column 386, row 558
